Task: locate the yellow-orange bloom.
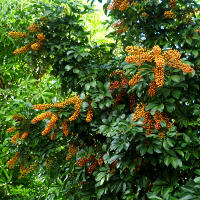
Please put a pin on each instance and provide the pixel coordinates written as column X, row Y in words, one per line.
column 17, row 34
column 41, row 117
column 48, row 128
column 13, row 160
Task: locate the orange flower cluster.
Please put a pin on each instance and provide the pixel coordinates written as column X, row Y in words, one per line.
column 11, row 129
column 161, row 135
column 22, row 49
column 26, row 170
column 71, row 151
column 159, row 74
column 41, row 37
column 43, row 106
column 100, row 161
column 151, row 121
column 65, row 128
column 83, row 161
column 48, row 163
column 118, row 98
column 117, row 84
column 89, row 114
column 119, row 25
column 135, row 79
column 13, row 160
column 113, row 166
column 132, row 101
column 73, row 100
column 24, row 135
column 15, row 137
column 17, row 34
column 172, row 4
column 139, row 55
column 34, row 28
column 36, row 46
column 169, row 14
column 92, row 167
column 140, row 112
column 144, row 14
column 158, row 116
column 153, row 89
column 120, row 4
column 18, row 117
column 41, row 117
column 53, row 136
column 50, row 125
column 172, row 58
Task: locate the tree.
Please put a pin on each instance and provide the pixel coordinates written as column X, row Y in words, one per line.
column 122, row 127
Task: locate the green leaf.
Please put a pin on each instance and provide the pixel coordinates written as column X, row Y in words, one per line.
column 195, row 53
column 197, row 180
column 175, row 78
column 167, row 160
column 187, row 197
column 197, row 171
column 176, row 94
column 100, row 192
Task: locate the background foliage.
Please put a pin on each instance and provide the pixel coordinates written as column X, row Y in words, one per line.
column 105, row 154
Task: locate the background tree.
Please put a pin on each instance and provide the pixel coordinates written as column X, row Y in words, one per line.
column 121, row 127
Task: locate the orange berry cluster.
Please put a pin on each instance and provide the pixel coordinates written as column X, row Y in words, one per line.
column 169, row 14
column 13, row 160
column 65, row 128
column 135, row 79
column 100, row 161
column 92, row 167
column 161, row 135
column 50, row 125
column 24, row 135
column 152, row 89
column 73, row 100
column 18, row 117
column 172, row 58
column 142, row 113
column 54, row 119
column 89, row 114
column 15, row 137
column 159, row 74
column 113, row 166
column 172, row 4
column 150, row 121
column 26, row 170
column 120, row 4
column 132, row 101
column 22, row 49
column 11, row 129
column 138, row 55
column 83, row 161
column 53, row 136
column 144, row 14
column 36, row 46
column 34, row 28
column 17, row 34
column 41, row 117
column 71, row 151
column 119, row 25
column 41, row 37
column 48, row 163
column 117, row 84
column 118, row 98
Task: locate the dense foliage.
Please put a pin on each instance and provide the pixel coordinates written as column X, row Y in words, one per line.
column 103, row 126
